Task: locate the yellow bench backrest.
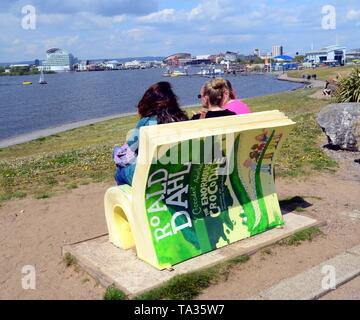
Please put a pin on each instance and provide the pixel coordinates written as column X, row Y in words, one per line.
column 198, row 186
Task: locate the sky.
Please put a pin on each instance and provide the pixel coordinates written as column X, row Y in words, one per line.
column 93, row 29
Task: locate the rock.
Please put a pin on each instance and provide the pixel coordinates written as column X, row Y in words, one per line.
column 341, row 124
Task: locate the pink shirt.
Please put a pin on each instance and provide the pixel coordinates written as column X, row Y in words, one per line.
column 237, row 106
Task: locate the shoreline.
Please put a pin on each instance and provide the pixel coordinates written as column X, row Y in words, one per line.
column 314, row 83
column 42, row 133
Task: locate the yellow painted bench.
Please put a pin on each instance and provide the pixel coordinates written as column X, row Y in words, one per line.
column 198, row 186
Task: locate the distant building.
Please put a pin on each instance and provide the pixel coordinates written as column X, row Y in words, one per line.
column 203, row 57
column 58, row 60
column 177, row 59
column 37, row 62
column 217, row 58
column 20, row 65
column 277, row 51
column 257, row 52
column 82, row 65
column 231, row 56
column 112, row 65
column 327, row 55
column 135, row 64
column 353, row 55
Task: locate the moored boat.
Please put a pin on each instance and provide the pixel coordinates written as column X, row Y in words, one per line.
column 42, row 79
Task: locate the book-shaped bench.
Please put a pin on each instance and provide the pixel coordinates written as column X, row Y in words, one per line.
column 198, row 186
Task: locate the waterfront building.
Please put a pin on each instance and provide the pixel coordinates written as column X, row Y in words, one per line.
column 284, row 62
column 20, row 65
column 135, row 64
column 353, row 55
column 217, row 58
column 203, row 57
column 174, row 59
column 327, row 55
column 231, row 56
column 277, row 51
column 112, row 65
column 58, row 60
column 82, row 65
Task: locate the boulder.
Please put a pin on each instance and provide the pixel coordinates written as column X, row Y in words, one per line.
column 341, row 124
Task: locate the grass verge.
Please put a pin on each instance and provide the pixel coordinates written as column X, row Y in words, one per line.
column 112, row 293
column 83, row 155
column 190, row 285
column 301, row 236
column 326, row 73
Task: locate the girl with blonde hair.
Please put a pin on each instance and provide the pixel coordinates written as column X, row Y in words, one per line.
column 212, row 97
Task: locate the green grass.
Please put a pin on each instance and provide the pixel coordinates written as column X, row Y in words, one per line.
column 190, row 285
column 69, row 260
column 300, row 154
column 112, row 293
column 71, row 186
column 301, row 236
column 326, row 73
column 80, row 156
column 43, row 195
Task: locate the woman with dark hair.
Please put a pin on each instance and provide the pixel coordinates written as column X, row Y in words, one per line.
column 159, row 105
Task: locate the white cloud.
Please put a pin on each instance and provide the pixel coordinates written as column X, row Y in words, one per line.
column 52, row 19
column 229, row 40
column 102, row 7
column 59, row 42
column 353, row 14
column 166, row 15
column 210, row 9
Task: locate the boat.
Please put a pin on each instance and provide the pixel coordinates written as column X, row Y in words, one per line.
column 211, row 72
column 42, row 79
column 175, row 73
column 26, row 83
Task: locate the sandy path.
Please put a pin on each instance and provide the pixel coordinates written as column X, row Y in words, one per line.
column 339, row 207
column 35, row 236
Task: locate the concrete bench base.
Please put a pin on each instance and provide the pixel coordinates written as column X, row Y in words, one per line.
column 111, row 265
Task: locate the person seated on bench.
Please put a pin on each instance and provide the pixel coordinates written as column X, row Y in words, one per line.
column 212, row 96
column 231, row 103
column 327, row 90
column 159, row 105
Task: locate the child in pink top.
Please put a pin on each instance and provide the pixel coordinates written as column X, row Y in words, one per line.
column 235, row 105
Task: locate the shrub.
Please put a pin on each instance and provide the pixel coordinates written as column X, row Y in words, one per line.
column 349, row 88
column 112, row 293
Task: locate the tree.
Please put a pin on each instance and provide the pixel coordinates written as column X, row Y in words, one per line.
column 240, row 61
column 300, row 59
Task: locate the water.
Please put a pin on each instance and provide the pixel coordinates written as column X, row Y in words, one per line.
column 72, row 97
